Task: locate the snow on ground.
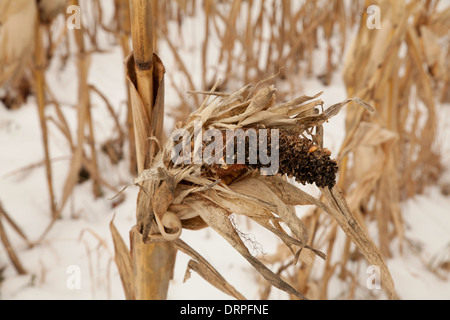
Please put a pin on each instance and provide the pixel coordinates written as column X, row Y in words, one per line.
column 81, row 241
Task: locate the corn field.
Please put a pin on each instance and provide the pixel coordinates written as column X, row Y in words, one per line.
column 236, row 149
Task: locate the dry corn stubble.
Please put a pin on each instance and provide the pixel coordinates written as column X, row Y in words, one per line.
column 401, row 140
column 28, row 30
column 392, row 154
column 256, row 39
column 6, row 243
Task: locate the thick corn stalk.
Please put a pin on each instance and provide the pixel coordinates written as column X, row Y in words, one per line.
column 152, row 262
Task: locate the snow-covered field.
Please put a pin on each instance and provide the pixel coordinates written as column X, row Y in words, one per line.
column 81, row 240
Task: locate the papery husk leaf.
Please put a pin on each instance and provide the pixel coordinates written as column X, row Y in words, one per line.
column 141, row 119
column 260, row 117
column 218, row 219
column 207, row 271
column 288, row 193
column 263, row 100
column 163, row 197
column 336, row 108
column 212, row 278
column 237, row 96
column 122, row 257
column 288, row 240
column 339, row 210
column 304, row 110
column 232, row 110
column 147, row 123
column 294, row 104
column 151, row 174
column 239, row 205
column 262, row 216
column 195, row 223
column 259, row 189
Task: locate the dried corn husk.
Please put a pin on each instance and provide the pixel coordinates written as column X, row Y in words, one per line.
column 185, row 197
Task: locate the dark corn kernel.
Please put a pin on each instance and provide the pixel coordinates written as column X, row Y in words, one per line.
column 298, row 157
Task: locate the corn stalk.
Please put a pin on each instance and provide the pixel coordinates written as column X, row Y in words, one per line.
column 6, row 243
column 84, row 119
column 123, row 34
column 152, row 261
column 39, row 76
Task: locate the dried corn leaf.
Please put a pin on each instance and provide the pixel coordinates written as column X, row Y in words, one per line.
column 151, row 174
column 306, row 109
column 239, row 205
column 294, row 104
column 263, row 100
column 218, row 219
column 207, row 271
column 290, row 194
column 258, row 189
column 339, row 210
column 141, row 118
column 212, row 278
column 260, row 117
column 7, row 244
column 336, row 108
column 123, row 261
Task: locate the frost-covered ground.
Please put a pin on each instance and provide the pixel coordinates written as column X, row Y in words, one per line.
column 82, row 239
